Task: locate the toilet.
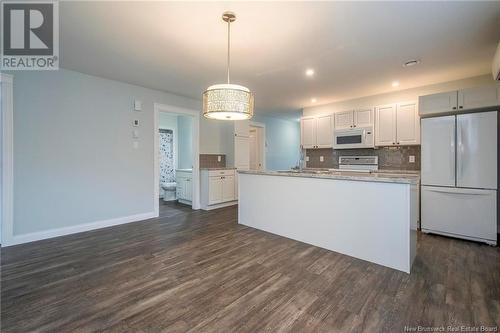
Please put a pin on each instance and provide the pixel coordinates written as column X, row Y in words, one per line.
column 169, row 191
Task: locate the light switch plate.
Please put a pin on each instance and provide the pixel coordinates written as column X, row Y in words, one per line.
column 135, row 134
column 137, row 105
column 321, row 159
column 411, row 159
column 135, row 144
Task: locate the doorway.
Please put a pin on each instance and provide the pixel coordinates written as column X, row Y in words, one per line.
column 257, row 142
column 189, row 174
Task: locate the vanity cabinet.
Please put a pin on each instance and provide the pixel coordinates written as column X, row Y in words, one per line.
column 218, row 188
column 184, row 191
column 397, row 124
column 458, row 100
column 316, row 132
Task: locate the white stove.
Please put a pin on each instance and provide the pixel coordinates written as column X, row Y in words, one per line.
column 358, row 163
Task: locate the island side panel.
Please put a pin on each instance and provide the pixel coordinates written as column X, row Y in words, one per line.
column 366, row 220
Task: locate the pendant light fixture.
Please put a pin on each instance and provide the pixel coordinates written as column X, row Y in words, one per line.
column 228, row 101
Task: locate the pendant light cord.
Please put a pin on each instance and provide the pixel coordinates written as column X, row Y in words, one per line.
column 228, row 48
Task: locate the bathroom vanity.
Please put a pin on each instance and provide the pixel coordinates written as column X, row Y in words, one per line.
column 184, row 180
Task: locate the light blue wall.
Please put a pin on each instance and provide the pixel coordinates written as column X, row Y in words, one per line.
column 74, row 162
column 185, row 142
column 282, row 139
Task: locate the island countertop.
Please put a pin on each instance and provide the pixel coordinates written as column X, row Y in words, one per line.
column 379, row 176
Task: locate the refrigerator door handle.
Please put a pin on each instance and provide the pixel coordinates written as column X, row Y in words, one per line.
column 464, row 191
column 460, row 151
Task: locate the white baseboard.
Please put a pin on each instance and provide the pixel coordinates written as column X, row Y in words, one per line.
column 221, row 205
column 39, row 235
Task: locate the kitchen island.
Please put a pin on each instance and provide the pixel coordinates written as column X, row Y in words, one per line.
column 371, row 216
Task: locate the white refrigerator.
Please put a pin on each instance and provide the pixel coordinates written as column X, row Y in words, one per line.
column 459, row 176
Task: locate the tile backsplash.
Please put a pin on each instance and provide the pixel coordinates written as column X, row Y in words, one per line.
column 388, row 157
column 210, row 161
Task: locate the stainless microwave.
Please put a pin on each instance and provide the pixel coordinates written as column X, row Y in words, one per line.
column 359, row 137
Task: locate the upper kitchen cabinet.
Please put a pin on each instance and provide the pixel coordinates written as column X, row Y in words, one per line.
column 438, row 103
column 316, row 132
column 397, row 124
column 324, row 131
column 363, row 117
column 344, row 119
column 407, row 124
column 385, row 125
column 308, row 132
column 242, row 128
column 353, row 118
column 479, row 97
column 459, row 100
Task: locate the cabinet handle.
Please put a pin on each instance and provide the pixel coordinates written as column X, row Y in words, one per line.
column 354, row 125
column 397, row 143
column 460, row 107
column 454, row 108
column 394, row 143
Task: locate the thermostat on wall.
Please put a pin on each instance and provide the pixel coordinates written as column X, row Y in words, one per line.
column 137, row 105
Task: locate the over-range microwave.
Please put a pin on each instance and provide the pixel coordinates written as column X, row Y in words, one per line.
column 359, row 137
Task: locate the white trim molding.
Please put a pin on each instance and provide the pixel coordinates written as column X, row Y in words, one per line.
column 196, row 152
column 7, row 135
column 45, row 234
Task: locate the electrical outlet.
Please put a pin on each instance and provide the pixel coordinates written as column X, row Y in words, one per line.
column 321, row 159
column 411, row 159
column 135, row 144
column 307, row 158
column 219, row 158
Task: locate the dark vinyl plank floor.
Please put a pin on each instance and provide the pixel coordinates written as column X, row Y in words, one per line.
column 197, row 271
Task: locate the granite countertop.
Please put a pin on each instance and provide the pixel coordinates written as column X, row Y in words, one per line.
column 381, row 176
column 219, row 168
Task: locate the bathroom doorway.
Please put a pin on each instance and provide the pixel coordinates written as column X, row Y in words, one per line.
column 176, row 162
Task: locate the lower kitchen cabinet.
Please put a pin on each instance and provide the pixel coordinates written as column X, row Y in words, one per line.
column 218, row 188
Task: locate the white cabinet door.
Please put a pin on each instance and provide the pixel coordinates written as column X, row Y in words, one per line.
column 228, row 188
column 180, row 188
column 408, row 124
column 214, row 190
column 385, row 125
column 242, row 128
column 363, row 117
column 479, row 97
column 242, row 153
column 344, row 119
column 438, row 103
column 477, row 150
column 438, row 151
column 324, row 131
column 188, row 189
column 308, row 132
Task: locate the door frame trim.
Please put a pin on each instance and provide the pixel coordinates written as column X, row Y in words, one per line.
column 264, row 141
column 7, row 188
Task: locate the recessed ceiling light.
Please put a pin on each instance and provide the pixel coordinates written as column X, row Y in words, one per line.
column 309, row 72
column 410, row 63
column 313, row 100
column 395, row 84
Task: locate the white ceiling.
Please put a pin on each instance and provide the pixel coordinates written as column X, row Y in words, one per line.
column 356, row 48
